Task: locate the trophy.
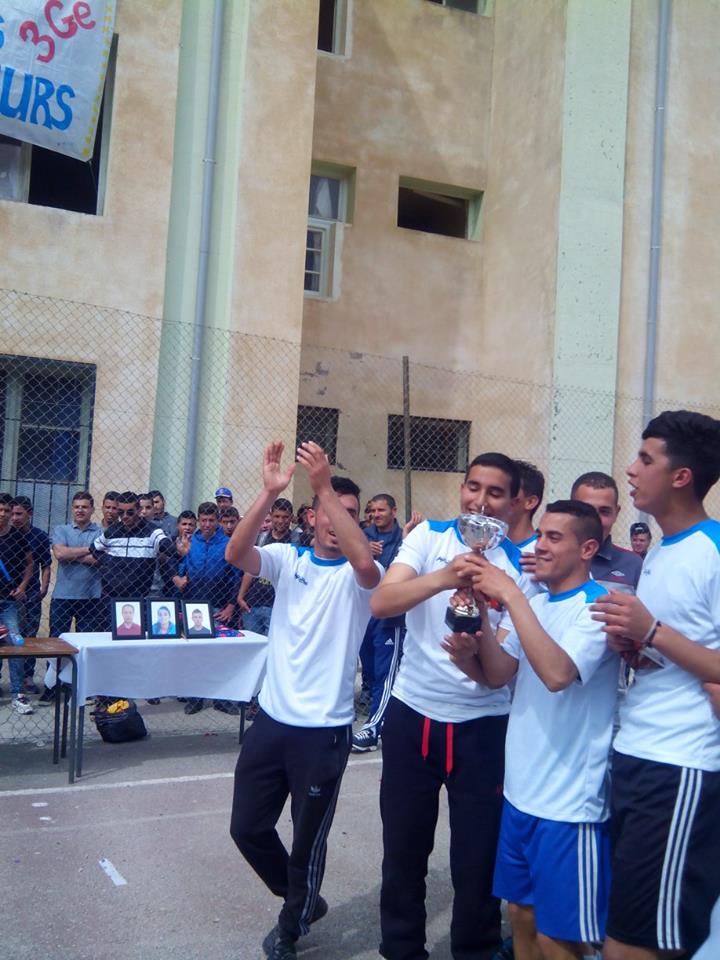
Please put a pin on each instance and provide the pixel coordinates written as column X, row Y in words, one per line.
column 480, row 533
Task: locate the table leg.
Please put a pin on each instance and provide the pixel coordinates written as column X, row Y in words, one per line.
column 243, row 708
column 73, row 711
column 79, row 740
column 58, row 695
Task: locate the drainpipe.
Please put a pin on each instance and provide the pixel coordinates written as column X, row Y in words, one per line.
column 209, row 161
column 656, row 212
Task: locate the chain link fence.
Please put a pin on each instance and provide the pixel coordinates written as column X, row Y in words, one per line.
column 95, row 399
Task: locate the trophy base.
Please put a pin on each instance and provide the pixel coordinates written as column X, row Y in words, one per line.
column 462, row 622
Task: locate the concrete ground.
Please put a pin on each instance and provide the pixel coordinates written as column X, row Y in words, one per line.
column 155, row 815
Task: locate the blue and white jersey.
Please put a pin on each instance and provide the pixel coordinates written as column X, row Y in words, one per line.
column 528, row 546
column 556, row 752
column 317, row 625
column 666, row 715
column 427, row 680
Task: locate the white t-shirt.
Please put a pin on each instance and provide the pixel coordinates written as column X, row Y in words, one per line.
column 427, row 680
column 556, row 752
column 528, row 546
column 317, row 625
column 666, row 715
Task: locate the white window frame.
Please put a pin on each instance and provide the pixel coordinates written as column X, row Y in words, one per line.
column 342, row 36
column 332, row 230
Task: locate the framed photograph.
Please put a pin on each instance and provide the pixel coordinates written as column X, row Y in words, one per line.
column 127, row 619
column 198, row 619
column 163, row 618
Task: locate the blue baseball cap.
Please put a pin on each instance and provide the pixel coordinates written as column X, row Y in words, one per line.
column 223, row 492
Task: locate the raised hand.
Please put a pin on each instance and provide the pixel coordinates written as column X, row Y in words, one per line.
column 275, row 479
column 313, row 459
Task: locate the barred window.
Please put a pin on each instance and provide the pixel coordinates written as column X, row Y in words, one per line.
column 435, row 444
column 321, row 425
column 46, row 412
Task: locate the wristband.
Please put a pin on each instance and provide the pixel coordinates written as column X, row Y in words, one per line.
column 647, row 640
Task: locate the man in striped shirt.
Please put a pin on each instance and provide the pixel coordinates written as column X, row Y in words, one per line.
column 127, row 551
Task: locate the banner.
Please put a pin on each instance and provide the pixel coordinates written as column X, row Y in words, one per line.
column 53, row 60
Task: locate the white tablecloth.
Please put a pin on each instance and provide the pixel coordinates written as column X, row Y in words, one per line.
column 219, row 668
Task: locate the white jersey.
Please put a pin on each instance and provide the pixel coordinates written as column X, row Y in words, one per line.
column 667, row 715
column 318, row 622
column 427, row 680
column 556, row 752
column 528, row 546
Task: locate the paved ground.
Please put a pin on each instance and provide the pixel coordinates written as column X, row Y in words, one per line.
column 158, row 811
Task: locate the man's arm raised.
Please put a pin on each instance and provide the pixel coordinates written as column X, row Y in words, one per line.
column 351, row 540
column 241, row 550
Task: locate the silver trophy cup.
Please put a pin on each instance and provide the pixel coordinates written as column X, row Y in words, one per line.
column 480, row 533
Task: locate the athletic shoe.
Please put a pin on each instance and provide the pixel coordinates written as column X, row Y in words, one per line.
column 48, row 695
column 29, row 686
column 193, row 706
column 227, row 706
column 365, row 740
column 506, row 951
column 282, row 950
column 321, row 909
column 21, row 704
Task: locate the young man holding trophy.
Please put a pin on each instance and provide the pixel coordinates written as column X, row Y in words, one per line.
column 553, row 859
column 441, row 727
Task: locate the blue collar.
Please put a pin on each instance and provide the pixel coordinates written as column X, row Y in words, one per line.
column 566, row 594
column 677, row 537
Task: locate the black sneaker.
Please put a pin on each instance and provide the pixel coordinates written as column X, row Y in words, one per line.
column 29, row 686
column 48, row 695
column 364, row 741
column 321, row 909
column 194, row 705
column 283, row 950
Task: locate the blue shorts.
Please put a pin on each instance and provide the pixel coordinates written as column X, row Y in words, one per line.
column 562, row 870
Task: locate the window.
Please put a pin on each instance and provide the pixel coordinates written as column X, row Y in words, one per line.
column 329, row 206
column 470, row 6
column 32, row 174
column 46, row 413
column 435, row 444
column 332, row 26
column 434, row 208
column 321, row 425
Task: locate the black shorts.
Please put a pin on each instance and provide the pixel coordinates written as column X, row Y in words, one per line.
column 665, row 836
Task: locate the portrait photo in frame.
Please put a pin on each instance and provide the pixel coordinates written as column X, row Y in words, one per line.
column 127, row 620
column 198, row 620
column 162, row 618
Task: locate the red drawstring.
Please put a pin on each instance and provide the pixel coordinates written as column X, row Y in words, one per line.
column 425, row 749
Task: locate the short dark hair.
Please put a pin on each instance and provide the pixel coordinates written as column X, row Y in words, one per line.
column 156, row 493
column 187, row 515
column 230, row 512
column 6, row 499
column 587, row 519
column 691, row 440
column 166, row 609
column 208, row 507
column 532, row 481
column 639, row 527
column 145, row 496
column 24, row 502
column 388, row 498
column 343, row 486
column 500, row 462
column 595, row 479
column 282, row 504
column 127, row 497
column 83, row 495
column 111, row 495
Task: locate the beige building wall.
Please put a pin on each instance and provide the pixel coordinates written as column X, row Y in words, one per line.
column 90, row 288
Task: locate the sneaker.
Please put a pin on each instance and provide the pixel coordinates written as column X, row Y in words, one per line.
column 364, row 741
column 29, row 686
column 321, row 909
column 276, row 948
column 21, row 704
column 193, row 706
column 48, row 695
column 227, row 706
